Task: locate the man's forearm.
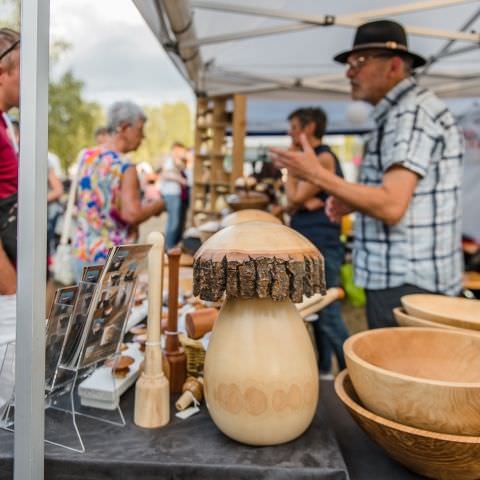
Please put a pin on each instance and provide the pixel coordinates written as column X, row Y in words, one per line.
column 375, row 201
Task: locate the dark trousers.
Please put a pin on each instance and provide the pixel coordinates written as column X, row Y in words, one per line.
column 330, row 330
column 380, row 304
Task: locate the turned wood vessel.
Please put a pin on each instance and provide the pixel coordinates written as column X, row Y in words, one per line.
column 434, row 455
column 454, row 311
column 248, row 215
column 406, row 320
column 260, row 377
column 427, row 378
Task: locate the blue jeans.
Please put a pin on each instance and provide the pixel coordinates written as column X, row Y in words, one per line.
column 173, row 231
column 329, row 329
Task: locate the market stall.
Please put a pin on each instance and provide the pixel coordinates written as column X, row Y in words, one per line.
column 172, row 23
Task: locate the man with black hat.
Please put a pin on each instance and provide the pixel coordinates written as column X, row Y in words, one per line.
column 408, row 224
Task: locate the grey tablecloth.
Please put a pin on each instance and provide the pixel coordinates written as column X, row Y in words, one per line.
column 195, row 449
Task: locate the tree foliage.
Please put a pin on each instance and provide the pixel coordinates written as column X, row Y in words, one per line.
column 71, row 119
column 166, row 124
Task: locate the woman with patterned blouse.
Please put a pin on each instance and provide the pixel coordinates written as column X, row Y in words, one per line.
column 108, row 192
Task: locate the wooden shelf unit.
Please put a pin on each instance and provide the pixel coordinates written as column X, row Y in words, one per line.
column 211, row 180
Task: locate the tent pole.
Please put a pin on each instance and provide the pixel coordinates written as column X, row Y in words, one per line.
column 32, row 227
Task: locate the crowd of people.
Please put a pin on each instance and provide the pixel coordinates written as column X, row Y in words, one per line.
column 407, row 200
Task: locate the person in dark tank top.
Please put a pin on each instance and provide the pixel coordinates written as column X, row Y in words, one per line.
column 307, row 206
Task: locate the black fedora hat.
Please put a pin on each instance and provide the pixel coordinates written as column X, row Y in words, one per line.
column 382, row 35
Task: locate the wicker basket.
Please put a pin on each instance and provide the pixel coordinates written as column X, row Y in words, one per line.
column 195, row 355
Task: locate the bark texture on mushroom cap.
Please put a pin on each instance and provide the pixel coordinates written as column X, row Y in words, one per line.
column 258, row 260
column 249, row 215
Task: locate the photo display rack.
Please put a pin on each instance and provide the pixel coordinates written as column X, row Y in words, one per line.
column 85, row 327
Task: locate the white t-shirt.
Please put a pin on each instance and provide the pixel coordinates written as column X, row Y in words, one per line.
column 170, row 187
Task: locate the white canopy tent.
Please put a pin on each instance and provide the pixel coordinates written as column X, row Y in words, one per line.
column 282, row 49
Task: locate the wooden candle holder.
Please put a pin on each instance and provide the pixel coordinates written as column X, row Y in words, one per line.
column 174, row 353
column 152, row 398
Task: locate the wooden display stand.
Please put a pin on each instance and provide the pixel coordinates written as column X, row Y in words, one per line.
column 212, row 181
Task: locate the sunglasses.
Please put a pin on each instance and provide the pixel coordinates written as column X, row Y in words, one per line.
column 12, row 47
column 358, row 63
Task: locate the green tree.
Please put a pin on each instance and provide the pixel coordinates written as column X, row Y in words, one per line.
column 166, row 124
column 71, row 120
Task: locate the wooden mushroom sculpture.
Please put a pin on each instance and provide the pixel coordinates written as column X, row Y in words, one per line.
column 260, row 376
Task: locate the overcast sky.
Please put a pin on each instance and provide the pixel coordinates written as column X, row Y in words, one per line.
column 114, row 53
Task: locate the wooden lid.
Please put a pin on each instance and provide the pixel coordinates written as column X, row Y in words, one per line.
column 249, row 215
column 258, row 260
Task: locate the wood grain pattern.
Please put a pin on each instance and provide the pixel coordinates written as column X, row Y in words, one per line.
column 423, row 377
column 434, row 455
column 261, row 377
column 454, row 311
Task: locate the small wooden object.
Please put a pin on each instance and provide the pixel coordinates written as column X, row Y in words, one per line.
column 200, row 322
column 434, row 455
column 426, row 378
column 454, row 311
column 193, row 387
column 152, row 398
column 174, row 353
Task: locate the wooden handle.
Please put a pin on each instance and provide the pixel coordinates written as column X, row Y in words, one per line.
column 172, row 343
column 318, row 302
column 199, row 322
column 153, row 357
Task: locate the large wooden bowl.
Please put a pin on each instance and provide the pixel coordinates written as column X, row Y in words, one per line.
column 434, row 455
column 406, row 320
column 422, row 377
column 454, row 311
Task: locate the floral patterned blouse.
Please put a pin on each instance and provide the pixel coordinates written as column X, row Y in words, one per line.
column 99, row 225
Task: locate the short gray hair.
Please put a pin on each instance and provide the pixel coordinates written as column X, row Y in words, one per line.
column 123, row 112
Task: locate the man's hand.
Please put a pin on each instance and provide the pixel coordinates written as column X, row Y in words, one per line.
column 299, row 164
column 336, row 209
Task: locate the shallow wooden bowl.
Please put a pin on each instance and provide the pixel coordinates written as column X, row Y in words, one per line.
column 434, row 455
column 406, row 320
column 454, row 311
column 422, row 377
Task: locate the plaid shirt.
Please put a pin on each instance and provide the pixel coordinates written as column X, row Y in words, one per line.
column 414, row 130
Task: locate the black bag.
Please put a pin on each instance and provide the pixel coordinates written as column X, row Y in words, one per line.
column 8, row 226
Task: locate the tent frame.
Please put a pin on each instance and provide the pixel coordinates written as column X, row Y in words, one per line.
column 296, row 22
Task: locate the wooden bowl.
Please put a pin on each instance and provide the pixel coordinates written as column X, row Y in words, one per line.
column 434, row 455
column 406, row 320
column 454, row 311
column 422, row 377
column 252, row 200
